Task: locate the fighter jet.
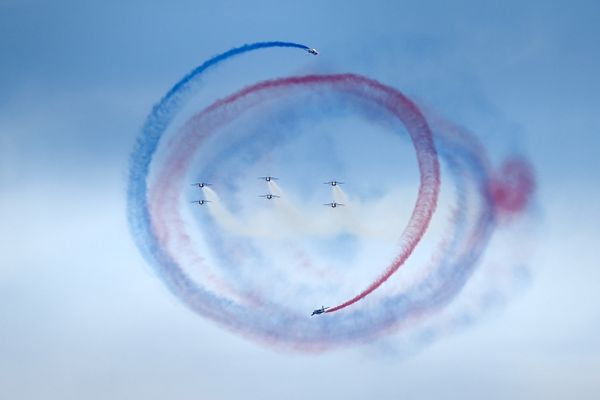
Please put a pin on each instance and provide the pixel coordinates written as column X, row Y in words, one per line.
column 333, row 183
column 201, row 202
column 333, row 205
column 267, row 178
column 200, row 184
column 268, row 196
column 319, row 311
column 313, row 52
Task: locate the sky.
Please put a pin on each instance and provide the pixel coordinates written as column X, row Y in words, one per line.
column 82, row 313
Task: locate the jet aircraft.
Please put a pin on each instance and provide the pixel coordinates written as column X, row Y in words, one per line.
column 333, row 183
column 201, row 184
column 333, row 205
column 201, row 202
column 269, row 196
column 268, row 178
column 319, row 311
column 313, row 52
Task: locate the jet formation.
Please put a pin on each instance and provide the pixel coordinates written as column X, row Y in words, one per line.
column 269, row 196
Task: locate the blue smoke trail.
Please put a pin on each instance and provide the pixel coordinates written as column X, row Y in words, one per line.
column 161, row 116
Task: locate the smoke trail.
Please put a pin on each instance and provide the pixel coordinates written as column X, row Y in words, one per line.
column 141, row 157
column 256, row 311
column 295, row 219
column 284, row 218
column 221, row 214
column 147, row 142
column 352, row 212
column 388, row 99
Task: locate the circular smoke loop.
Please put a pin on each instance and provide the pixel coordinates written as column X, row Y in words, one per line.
column 485, row 201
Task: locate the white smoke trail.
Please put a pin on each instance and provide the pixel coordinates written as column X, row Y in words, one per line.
column 350, row 211
column 223, row 216
column 312, row 223
column 379, row 219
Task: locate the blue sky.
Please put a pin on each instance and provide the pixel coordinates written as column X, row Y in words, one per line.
column 82, row 315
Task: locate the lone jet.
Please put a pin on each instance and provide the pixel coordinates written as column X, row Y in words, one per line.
column 319, row 311
column 313, row 51
column 333, row 205
column 201, row 184
column 268, row 196
column 268, row 178
column 201, row 202
column 333, row 183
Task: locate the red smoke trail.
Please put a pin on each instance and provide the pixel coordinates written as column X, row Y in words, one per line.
column 513, row 186
column 163, row 194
